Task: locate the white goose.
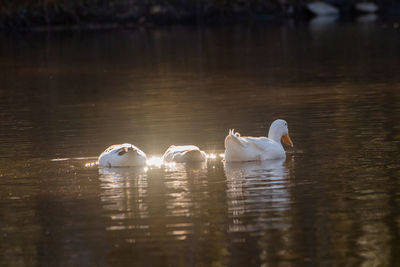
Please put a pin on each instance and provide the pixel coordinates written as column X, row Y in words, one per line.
column 184, row 154
column 246, row 148
column 123, row 155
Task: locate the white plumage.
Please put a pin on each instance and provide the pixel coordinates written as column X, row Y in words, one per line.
column 247, row 148
column 188, row 153
column 123, row 155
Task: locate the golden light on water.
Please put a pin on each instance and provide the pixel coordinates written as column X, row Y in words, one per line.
column 90, row 164
column 154, row 162
column 215, row 156
column 158, row 163
column 211, row 156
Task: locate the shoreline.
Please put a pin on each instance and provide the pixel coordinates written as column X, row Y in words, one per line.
column 59, row 16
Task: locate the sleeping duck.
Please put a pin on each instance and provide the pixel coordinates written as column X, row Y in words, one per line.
column 124, row 155
column 184, row 154
column 246, row 148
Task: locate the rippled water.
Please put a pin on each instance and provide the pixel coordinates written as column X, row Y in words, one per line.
column 65, row 97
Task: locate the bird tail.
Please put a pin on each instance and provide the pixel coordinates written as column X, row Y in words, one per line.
column 233, row 138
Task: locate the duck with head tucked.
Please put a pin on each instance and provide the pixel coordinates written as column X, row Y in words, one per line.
column 183, row 154
column 247, row 148
column 123, row 155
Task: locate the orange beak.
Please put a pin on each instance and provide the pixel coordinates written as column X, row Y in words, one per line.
column 286, row 140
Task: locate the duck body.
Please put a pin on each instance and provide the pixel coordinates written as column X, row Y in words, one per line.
column 182, row 154
column 246, row 148
column 123, row 155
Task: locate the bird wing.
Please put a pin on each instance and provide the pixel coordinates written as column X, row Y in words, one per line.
column 259, row 143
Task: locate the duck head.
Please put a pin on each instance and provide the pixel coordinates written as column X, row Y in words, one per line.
column 279, row 130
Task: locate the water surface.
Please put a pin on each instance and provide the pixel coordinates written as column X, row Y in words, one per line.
column 65, row 97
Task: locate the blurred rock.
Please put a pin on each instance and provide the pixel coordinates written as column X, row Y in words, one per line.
column 366, row 7
column 322, row 9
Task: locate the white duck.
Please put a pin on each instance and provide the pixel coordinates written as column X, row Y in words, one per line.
column 248, row 148
column 123, row 155
column 184, row 154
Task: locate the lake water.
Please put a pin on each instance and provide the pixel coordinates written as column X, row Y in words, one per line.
column 66, row 96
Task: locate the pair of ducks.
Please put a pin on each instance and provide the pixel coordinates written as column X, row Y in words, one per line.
column 237, row 148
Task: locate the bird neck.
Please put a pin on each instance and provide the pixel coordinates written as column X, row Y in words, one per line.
column 274, row 135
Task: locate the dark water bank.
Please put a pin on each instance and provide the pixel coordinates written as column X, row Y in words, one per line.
column 94, row 14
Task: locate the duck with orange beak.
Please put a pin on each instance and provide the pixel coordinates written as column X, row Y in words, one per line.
column 247, row 148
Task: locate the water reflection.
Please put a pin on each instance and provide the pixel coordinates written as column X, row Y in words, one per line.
column 179, row 180
column 259, row 206
column 258, row 195
column 126, row 195
column 123, row 193
column 191, row 168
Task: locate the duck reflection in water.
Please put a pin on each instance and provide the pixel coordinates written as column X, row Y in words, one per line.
column 257, row 192
column 142, row 201
column 188, row 167
column 123, row 189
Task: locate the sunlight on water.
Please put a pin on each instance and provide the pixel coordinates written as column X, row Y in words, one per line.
column 78, row 158
column 91, row 164
column 211, row 156
column 60, row 159
column 157, row 162
column 154, row 162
